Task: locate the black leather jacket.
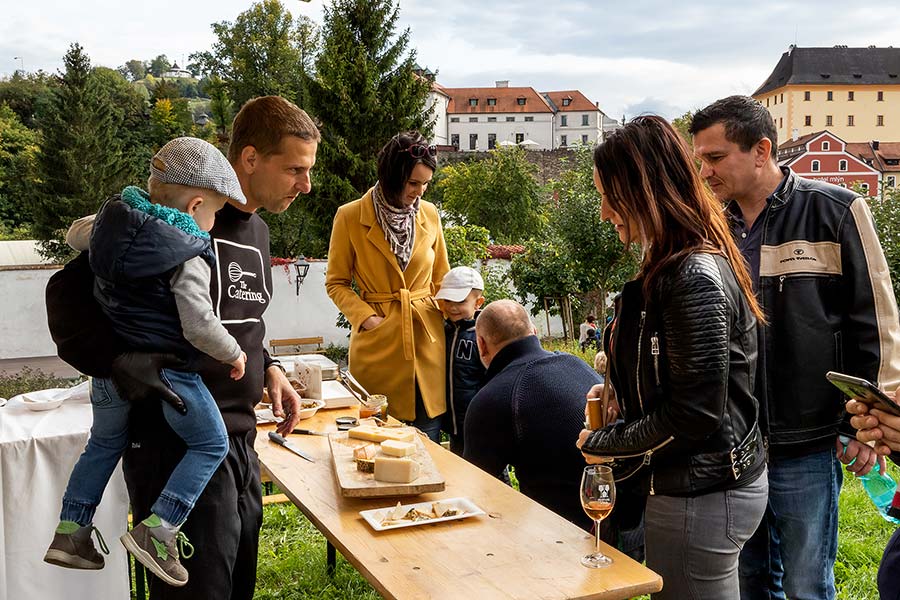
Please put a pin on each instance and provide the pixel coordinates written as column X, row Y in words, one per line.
column 683, row 367
column 825, row 288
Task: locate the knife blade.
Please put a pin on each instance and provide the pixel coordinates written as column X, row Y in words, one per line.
column 278, row 439
column 309, row 432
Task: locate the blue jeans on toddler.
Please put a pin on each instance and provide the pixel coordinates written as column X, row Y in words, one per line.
column 202, row 429
column 792, row 553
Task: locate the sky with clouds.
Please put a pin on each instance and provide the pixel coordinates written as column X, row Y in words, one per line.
column 633, row 57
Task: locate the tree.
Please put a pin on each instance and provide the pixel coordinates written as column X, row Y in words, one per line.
column 18, row 163
column 580, row 255
column 364, row 92
column 466, row 244
column 886, row 213
column 91, row 147
column 221, row 109
column 134, row 69
column 159, row 65
column 499, row 193
column 257, row 55
column 26, row 95
column 682, row 125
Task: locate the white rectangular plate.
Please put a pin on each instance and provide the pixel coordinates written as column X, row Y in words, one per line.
column 375, row 516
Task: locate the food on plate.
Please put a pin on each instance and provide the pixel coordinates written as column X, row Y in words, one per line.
column 367, row 452
column 371, row 433
column 396, row 470
column 309, row 404
column 395, row 448
column 399, row 514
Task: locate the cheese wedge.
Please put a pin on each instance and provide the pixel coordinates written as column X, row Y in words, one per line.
column 400, row 449
column 395, row 470
column 367, row 452
column 365, row 465
column 380, row 434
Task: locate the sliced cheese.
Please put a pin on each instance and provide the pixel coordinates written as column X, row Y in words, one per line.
column 367, row 452
column 365, row 465
column 394, row 448
column 380, row 434
column 395, row 470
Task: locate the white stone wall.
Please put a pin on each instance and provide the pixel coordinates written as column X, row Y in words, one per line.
column 539, row 130
column 23, row 317
column 437, row 110
column 574, row 129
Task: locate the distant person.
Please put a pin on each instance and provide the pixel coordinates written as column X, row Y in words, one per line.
column 460, row 298
column 152, row 260
column 600, row 363
column 819, row 272
column 682, row 349
column 391, row 245
column 529, row 411
column 587, row 331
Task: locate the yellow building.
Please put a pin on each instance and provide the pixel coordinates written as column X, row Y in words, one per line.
column 852, row 92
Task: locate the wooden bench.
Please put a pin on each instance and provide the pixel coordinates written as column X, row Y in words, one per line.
column 295, row 345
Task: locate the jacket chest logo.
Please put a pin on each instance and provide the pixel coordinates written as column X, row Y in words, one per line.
column 800, row 257
column 465, row 349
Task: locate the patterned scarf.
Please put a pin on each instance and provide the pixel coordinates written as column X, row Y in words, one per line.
column 398, row 224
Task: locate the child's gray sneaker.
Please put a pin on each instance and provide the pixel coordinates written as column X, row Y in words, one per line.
column 156, row 547
column 73, row 548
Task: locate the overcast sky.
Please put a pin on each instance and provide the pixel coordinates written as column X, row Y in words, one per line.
column 631, row 57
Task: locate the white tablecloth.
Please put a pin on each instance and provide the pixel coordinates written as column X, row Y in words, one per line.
column 37, row 453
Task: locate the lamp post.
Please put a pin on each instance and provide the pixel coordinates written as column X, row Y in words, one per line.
column 302, row 267
column 21, row 63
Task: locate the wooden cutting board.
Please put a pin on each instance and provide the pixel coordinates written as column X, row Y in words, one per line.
column 356, row 484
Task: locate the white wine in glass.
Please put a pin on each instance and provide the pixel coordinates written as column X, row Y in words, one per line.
column 598, row 496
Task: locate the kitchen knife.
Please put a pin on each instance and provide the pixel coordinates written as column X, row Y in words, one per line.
column 278, row 439
column 309, row 432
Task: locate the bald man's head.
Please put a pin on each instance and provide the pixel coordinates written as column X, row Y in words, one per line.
column 501, row 322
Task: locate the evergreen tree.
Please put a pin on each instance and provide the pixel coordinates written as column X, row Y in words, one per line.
column 364, row 92
column 91, row 147
column 18, row 159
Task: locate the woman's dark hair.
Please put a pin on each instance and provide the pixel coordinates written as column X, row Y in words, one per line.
column 395, row 162
column 650, row 180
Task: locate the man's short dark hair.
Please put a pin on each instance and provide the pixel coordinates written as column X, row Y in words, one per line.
column 264, row 122
column 746, row 122
column 396, row 163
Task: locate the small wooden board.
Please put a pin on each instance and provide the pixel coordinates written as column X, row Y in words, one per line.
column 356, row 484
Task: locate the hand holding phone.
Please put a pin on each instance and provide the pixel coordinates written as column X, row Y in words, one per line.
column 863, row 390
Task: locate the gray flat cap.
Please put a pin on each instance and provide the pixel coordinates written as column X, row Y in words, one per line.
column 198, row 164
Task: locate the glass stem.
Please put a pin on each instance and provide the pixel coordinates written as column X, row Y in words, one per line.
column 596, row 537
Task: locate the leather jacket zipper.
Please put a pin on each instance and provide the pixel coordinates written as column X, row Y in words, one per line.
column 450, row 372
column 647, row 454
column 783, row 277
column 638, row 367
column 654, row 350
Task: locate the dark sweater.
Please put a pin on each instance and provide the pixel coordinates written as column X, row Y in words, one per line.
column 528, row 415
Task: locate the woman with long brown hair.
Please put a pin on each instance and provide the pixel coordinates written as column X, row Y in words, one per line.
column 682, row 351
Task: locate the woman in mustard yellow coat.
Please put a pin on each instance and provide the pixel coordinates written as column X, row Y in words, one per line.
column 391, row 244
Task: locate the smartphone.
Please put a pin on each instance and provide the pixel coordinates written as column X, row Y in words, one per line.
column 864, row 391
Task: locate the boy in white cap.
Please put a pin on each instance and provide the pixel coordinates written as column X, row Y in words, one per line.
column 460, row 298
column 152, row 261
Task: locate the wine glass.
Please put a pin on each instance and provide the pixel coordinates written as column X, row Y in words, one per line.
column 598, row 496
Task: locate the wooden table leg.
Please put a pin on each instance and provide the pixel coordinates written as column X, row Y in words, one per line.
column 330, row 558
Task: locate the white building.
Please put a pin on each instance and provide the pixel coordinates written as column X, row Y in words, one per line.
column 483, row 118
column 438, row 101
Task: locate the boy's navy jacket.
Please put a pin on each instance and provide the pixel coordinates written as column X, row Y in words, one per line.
column 465, row 373
column 133, row 256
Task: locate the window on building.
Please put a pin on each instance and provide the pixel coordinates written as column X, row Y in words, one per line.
column 563, row 121
column 829, row 121
column 879, row 121
column 807, row 120
column 826, row 146
column 492, row 102
column 806, row 96
column 767, row 102
column 842, row 165
column 492, row 119
column 454, row 119
column 864, row 187
column 510, row 119
column 850, row 95
column 473, row 119
column 520, row 101
column 473, row 141
column 473, row 101
column 585, row 120
column 520, row 137
column 891, row 181
column 492, row 141
column 815, row 166
column 454, row 140
column 849, row 120
column 780, row 122
column 563, row 140
column 830, row 96
column 567, row 101
column 775, row 99
column 584, row 138
column 881, row 96
column 781, row 98
column 529, row 119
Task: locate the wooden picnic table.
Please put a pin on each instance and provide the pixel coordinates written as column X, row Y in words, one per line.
column 519, row 549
